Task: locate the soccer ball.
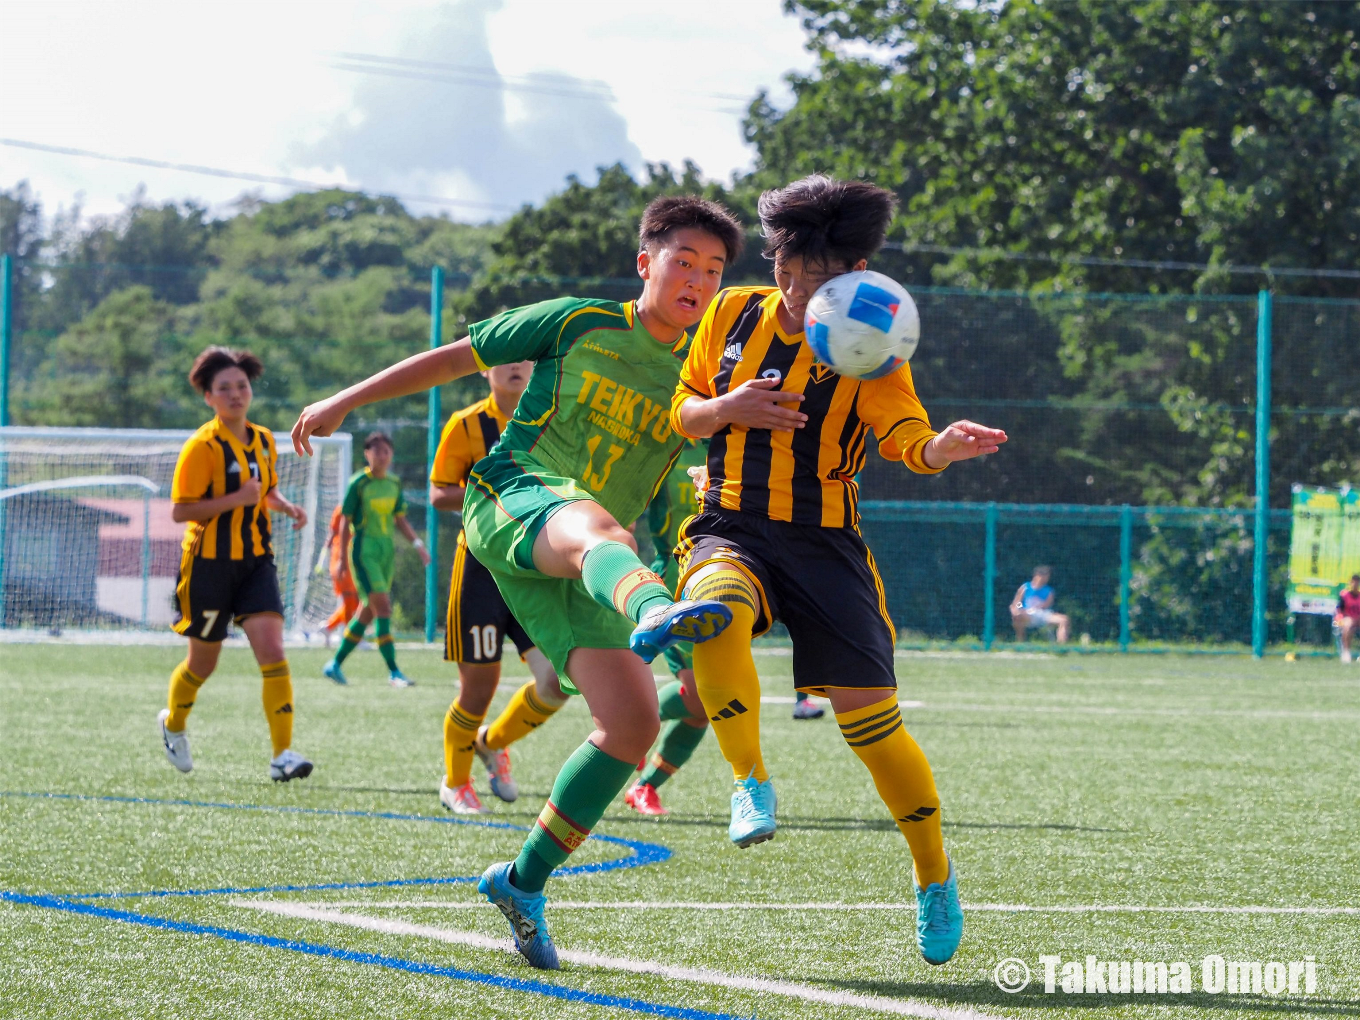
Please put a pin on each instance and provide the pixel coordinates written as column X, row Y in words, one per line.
column 863, row 325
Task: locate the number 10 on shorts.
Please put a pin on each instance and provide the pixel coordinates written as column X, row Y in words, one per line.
column 485, row 641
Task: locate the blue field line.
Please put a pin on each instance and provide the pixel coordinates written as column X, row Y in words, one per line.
column 643, row 853
column 372, row 959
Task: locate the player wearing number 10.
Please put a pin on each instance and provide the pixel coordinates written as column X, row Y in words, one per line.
column 479, row 621
column 224, row 486
column 586, row 449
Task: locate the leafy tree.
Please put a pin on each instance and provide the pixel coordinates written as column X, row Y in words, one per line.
column 584, row 239
column 113, row 368
column 1156, row 130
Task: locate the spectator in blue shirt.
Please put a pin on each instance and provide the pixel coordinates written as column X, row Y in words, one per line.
column 1033, row 606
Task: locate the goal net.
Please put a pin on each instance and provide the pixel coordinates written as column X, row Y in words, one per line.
column 87, row 541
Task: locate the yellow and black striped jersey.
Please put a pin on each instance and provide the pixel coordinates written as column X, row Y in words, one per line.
column 466, row 438
column 213, row 463
column 806, row 476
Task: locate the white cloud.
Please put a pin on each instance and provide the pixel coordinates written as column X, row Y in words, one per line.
column 252, row 87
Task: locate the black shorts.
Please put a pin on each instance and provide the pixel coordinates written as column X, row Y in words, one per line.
column 821, row 583
column 209, row 594
column 479, row 620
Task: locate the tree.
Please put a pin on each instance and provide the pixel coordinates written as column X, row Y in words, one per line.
column 585, row 239
column 119, row 366
column 1156, row 130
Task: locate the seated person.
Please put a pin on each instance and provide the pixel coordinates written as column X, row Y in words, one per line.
column 1033, row 606
column 1347, row 617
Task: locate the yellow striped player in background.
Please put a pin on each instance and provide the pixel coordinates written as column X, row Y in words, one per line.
column 479, row 621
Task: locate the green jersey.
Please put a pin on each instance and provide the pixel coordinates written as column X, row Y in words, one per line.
column 372, row 505
column 677, row 500
column 597, row 407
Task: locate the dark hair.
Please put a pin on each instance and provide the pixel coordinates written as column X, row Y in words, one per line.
column 823, row 221
column 664, row 216
column 374, row 438
column 1042, row 569
column 214, row 359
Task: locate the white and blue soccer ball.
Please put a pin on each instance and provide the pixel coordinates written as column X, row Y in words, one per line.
column 862, row 324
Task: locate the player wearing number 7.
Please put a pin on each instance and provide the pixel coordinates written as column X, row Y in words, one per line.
column 224, row 486
column 588, row 445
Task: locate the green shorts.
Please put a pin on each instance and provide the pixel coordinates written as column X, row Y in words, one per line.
column 371, row 562
column 557, row 613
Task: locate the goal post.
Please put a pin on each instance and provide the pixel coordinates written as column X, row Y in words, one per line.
column 87, row 541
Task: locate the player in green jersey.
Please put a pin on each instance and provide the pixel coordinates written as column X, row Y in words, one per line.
column 374, row 510
column 588, row 445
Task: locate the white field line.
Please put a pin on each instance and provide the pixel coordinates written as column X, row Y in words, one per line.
column 782, row 699
column 697, row 975
column 1337, row 715
column 998, row 908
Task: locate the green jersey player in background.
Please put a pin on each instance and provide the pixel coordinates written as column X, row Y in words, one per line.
column 374, row 510
column 545, row 511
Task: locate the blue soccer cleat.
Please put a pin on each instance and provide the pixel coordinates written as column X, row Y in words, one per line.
column 695, row 620
column 524, row 911
column 753, row 804
column 939, row 919
column 399, row 679
column 331, row 671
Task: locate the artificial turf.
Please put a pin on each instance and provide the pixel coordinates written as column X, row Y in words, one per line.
column 1096, row 781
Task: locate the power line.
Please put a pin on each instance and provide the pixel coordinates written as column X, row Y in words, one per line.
column 489, row 77
column 1017, row 256
column 241, row 175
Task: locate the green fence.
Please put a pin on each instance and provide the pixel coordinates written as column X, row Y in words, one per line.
column 1129, row 578
column 1165, row 403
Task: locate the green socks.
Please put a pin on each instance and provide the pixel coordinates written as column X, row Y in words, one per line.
column 616, row 579
column 354, row 633
column 678, row 741
column 385, row 645
column 669, row 703
column 587, row 783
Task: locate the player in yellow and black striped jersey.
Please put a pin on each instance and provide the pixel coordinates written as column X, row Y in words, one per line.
column 777, row 536
column 225, row 484
column 479, row 621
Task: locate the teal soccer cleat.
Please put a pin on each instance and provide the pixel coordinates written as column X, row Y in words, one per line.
column 939, row 919
column 331, row 671
column 753, row 804
column 524, row 911
column 695, row 620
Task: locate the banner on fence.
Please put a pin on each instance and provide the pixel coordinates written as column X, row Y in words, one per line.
column 1324, row 548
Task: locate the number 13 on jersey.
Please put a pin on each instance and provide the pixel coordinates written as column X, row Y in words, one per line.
column 598, row 480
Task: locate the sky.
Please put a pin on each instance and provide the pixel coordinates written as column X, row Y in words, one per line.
column 476, row 105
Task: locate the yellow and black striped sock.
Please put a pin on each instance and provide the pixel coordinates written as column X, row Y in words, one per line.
column 525, row 713
column 183, row 693
column 460, row 731
column 904, row 781
column 725, row 675
column 277, row 694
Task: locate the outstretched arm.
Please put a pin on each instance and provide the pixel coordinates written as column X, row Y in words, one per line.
column 963, row 440
column 415, row 374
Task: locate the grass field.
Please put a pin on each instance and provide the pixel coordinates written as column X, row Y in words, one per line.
column 1075, row 783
